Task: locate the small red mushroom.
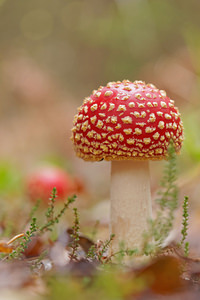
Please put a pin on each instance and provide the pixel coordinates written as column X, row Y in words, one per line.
column 41, row 183
column 128, row 123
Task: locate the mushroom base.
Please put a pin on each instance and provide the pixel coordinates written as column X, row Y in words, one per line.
column 130, row 202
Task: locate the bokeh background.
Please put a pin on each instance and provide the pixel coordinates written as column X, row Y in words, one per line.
column 53, row 53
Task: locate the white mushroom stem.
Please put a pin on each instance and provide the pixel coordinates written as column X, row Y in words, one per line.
column 130, row 202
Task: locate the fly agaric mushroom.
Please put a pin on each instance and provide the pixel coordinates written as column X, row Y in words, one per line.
column 41, row 183
column 127, row 123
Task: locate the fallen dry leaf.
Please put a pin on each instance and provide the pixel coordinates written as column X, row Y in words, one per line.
column 5, row 248
column 34, row 248
column 163, row 276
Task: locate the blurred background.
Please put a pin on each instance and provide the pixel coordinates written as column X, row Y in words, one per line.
column 53, row 53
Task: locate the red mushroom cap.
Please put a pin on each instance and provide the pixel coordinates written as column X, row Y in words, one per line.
column 126, row 120
column 41, row 183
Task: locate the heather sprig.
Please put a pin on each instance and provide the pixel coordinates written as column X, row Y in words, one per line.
column 185, row 224
column 50, row 214
column 17, row 253
column 75, row 235
column 35, row 229
column 167, row 201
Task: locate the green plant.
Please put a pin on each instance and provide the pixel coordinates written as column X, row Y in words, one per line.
column 100, row 250
column 185, row 224
column 103, row 248
column 167, row 201
column 123, row 251
column 17, row 253
column 75, row 235
column 50, row 215
column 51, row 220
